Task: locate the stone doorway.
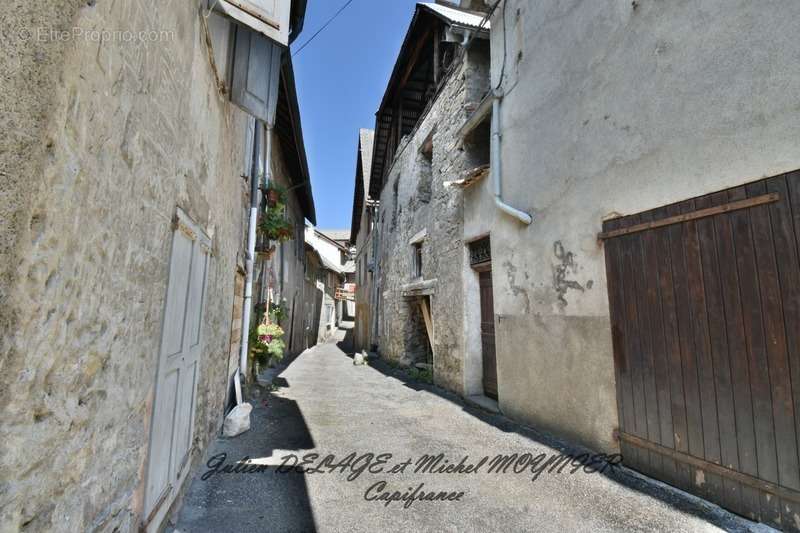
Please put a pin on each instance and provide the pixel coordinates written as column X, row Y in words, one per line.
column 419, row 335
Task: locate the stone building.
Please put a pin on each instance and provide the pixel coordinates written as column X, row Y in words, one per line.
column 125, row 173
column 603, row 236
column 441, row 74
column 364, row 240
column 280, row 274
column 335, row 269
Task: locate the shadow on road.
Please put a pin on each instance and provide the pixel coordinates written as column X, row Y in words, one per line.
column 621, row 475
column 261, row 499
column 268, row 501
column 346, row 344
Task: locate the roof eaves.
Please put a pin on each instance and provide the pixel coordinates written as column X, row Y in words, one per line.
column 291, row 91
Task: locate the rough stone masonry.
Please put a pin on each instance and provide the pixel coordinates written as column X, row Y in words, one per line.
column 101, row 141
column 415, row 199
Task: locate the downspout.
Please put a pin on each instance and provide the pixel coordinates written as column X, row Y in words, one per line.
column 375, row 274
column 251, row 249
column 495, row 168
column 495, row 165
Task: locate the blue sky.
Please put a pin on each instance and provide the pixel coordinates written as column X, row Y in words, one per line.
column 341, row 77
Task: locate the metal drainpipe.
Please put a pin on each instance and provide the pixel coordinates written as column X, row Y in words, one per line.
column 251, row 249
column 375, row 273
column 495, row 166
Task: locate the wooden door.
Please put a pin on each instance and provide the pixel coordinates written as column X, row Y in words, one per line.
column 487, row 334
column 176, row 382
column 705, row 319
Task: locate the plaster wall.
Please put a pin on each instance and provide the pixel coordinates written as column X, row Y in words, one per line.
column 612, row 108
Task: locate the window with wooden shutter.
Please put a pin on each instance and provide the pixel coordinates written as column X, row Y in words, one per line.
column 256, row 74
column 268, row 17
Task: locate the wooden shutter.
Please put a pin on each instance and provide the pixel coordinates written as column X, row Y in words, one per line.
column 256, row 73
column 267, row 17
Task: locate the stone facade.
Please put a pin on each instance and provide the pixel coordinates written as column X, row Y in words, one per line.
column 415, row 201
column 363, row 238
column 334, row 267
column 103, row 139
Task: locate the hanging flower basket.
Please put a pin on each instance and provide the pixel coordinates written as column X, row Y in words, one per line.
column 275, row 194
column 274, row 226
column 263, row 249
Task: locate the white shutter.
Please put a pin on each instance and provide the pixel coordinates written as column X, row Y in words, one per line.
column 268, row 17
column 256, row 73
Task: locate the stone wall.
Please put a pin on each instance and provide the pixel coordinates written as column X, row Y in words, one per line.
column 284, row 272
column 362, row 337
column 613, row 108
column 102, row 140
column 414, row 199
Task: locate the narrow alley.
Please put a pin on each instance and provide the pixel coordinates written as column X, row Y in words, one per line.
column 399, row 265
column 325, row 404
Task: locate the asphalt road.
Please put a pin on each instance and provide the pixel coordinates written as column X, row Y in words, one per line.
column 328, row 406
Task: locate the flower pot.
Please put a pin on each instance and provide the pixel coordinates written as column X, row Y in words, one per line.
column 272, row 197
column 263, row 248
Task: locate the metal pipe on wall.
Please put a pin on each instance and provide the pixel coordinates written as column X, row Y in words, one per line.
column 255, row 177
column 496, row 168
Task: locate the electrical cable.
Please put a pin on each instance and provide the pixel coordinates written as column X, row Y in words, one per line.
column 323, row 27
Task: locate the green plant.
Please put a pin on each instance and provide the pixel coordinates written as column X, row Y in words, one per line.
column 277, row 312
column 276, row 194
column 274, row 225
column 275, row 349
column 424, row 375
column 266, row 332
column 258, row 350
column 266, row 344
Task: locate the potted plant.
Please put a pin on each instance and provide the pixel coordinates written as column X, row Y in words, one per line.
column 275, row 194
column 274, row 225
column 266, row 346
column 270, row 344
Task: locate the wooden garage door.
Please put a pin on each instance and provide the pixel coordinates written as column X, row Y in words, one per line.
column 705, row 317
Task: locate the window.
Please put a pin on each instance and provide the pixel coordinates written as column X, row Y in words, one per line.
column 257, row 95
column 480, row 252
column 417, row 260
column 425, row 166
column 477, row 144
column 395, row 202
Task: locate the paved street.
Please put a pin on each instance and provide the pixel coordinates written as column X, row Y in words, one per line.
column 326, row 405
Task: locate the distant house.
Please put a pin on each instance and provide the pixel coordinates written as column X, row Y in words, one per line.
column 417, row 264
column 335, row 266
column 364, row 241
